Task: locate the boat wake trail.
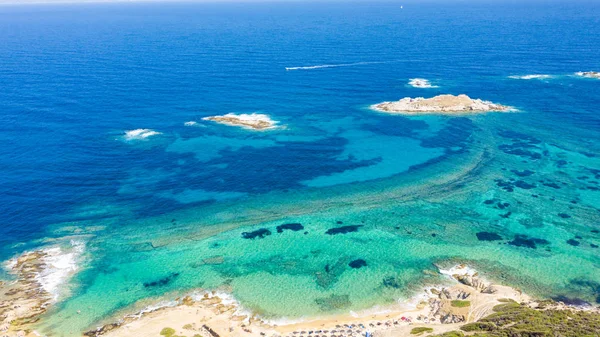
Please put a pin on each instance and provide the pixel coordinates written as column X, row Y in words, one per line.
column 336, row 65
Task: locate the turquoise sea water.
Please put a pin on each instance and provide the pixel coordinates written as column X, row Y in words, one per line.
column 167, row 214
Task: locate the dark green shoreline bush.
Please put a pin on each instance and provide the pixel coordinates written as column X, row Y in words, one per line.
column 514, row 320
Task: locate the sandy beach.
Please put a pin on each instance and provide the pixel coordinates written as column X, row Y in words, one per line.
column 212, row 314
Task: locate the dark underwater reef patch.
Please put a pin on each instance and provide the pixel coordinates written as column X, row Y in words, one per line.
column 333, row 302
column 517, row 136
column 524, row 185
column 505, row 185
column 587, row 286
column 488, row 236
column 498, row 204
column 573, row 242
column 393, row 282
column 398, row 126
column 259, row 233
column 161, row 282
column 522, row 240
column 265, row 169
column 357, row 264
column 571, row 300
column 509, row 186
column 551, row 184
column 332, row 271
column 522, row 145
column 343, row 230
column 456, row 134
column 502, row 205
column 524, row 173
column 290, row 226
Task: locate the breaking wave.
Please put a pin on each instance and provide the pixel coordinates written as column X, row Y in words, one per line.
column 139, row 134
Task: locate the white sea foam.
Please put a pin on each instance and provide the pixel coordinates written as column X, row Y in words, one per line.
column 421, row 83
column 10, row 264
column 61, row 265
column 153, row 307
column 461, row 269
column 531, row 77
column 413, row 302
column 190, row 123
column 139, row 134
column 320, row 66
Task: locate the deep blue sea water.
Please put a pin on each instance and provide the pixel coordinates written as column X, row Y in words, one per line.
column 75, row 78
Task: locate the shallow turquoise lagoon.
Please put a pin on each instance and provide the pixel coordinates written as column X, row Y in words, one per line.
column 367, row 204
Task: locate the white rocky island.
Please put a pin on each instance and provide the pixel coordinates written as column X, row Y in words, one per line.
column 253, row 121
column 442, row 104
column 589, row 74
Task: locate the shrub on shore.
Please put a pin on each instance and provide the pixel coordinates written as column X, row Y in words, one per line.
column 514, row 320
column 420, row 330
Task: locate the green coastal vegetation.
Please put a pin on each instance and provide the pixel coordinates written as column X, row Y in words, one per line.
column 460, row 304
column 515, row 320
column 168, row 332
column 420, row 330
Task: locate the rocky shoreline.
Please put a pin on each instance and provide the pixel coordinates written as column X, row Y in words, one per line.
column 24, row 300
column 442, row 104
column 466, row 298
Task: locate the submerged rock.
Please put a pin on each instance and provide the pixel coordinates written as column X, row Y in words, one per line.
column 333, row 302
column 161, row 282
column 343, row 230
column 359, row 263
column 524, row 185
column 521, row 240
column 524, row 173
column 488, row 236
column 259, row 233
column 392, row 282
column 290, row 226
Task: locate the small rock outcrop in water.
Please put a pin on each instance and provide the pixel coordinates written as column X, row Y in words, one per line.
column 589, row 74
column 252, row 121
column 442, row 104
